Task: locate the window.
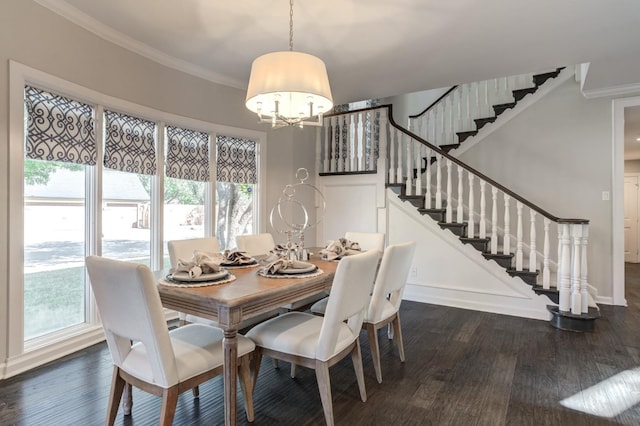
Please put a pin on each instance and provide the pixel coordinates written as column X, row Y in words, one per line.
column 235, row 188
column 60, row 147
column 94, row 175
column 185, row 185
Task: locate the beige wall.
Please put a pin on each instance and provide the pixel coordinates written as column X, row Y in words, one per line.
column 39, row 38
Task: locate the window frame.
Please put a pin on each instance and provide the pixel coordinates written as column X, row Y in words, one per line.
column 21, row 355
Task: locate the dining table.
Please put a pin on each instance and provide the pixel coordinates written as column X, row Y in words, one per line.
column 249, row 295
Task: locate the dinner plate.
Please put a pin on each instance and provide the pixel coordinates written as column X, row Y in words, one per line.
column 184, row 276
column 290, row 271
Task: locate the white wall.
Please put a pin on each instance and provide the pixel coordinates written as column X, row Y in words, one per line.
column 41, row 39
column 558, row 154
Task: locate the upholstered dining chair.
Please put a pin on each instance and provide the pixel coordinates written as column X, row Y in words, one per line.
column 386, row 298
column 183, row 249
column 164, row 363
column 367, row 240
column 320, row 342
column 255, row 244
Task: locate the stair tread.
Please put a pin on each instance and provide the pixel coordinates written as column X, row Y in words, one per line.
column 591, row 315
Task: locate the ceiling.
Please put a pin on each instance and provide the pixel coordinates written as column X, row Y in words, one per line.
column 379, row 48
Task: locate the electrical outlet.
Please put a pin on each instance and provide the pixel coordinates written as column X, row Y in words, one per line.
column 414, row 272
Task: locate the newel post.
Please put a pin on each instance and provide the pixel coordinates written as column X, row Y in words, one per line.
column 564, row 267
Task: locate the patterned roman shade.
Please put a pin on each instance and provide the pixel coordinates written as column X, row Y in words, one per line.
column 236, row 160
column 129, row 144
column 187, row 154
column 59, row 128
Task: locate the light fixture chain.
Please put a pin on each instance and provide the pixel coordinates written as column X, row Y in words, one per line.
column 290, row 25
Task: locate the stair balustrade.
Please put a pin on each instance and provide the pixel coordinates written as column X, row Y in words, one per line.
column 466, row 108
column 445, row 188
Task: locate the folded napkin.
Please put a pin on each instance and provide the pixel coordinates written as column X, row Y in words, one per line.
column 280, row 249
column 200, row 263
column 274, row 263
column 337, row 249
column 235, row 257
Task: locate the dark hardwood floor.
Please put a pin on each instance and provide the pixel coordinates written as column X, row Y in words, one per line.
column 463, row 368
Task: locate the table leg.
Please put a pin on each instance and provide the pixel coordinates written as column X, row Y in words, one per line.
column 230, row 346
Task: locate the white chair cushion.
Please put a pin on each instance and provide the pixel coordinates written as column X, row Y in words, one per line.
column 197, row 348
column 296, row 333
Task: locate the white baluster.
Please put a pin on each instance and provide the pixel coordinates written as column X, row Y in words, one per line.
column 584, row 284
column 381, row 162
column 334, row 150
column 418, row 166
column 372, row 141
column 471, row 227
column 341, row 132
column 392, row 155
column 506, row 239
column 576, row 296
column 409, row 182
column 399, row 137
column 494, row 220
column 564, row 267
column 362, row 157
column 438, row 181
column 450, row 138
column 546, row 272
column 442, row 139
column 559, row 255
column 427, row 195
column 519, row 237
column 532, row 242
column 476, row 107
column 449, row 212
column 353, row 136
column 460, row 209
column 327, row 145
column 483, row 210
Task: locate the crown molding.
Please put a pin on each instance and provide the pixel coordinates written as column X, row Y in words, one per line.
column 106, row 32
column 612, row 91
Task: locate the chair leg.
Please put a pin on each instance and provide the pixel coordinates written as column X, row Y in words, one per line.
column 293, row 371
column 275, row 363
column 356, row 357
column 247, row 387
column 117, row 386
column 256, row 360
column 196, row 391
column 375, row 350
column 169, row 402
column 398, row 335
column 324, row 386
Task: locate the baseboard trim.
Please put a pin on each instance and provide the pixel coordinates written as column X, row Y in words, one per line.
column 467, row 300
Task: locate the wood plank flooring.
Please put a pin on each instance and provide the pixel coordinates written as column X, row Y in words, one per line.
column 463, row 368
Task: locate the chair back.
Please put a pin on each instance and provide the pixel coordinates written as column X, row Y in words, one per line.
column 183, row 249
column 367, row 240
column 348, row 300
column 255, row 244
column 130, row 309
column 391, row 280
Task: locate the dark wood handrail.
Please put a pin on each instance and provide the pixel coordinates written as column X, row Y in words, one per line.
column 468, row 168
column 434, row 102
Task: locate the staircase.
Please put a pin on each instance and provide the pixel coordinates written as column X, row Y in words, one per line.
column 459, row 114
column 446, row 190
